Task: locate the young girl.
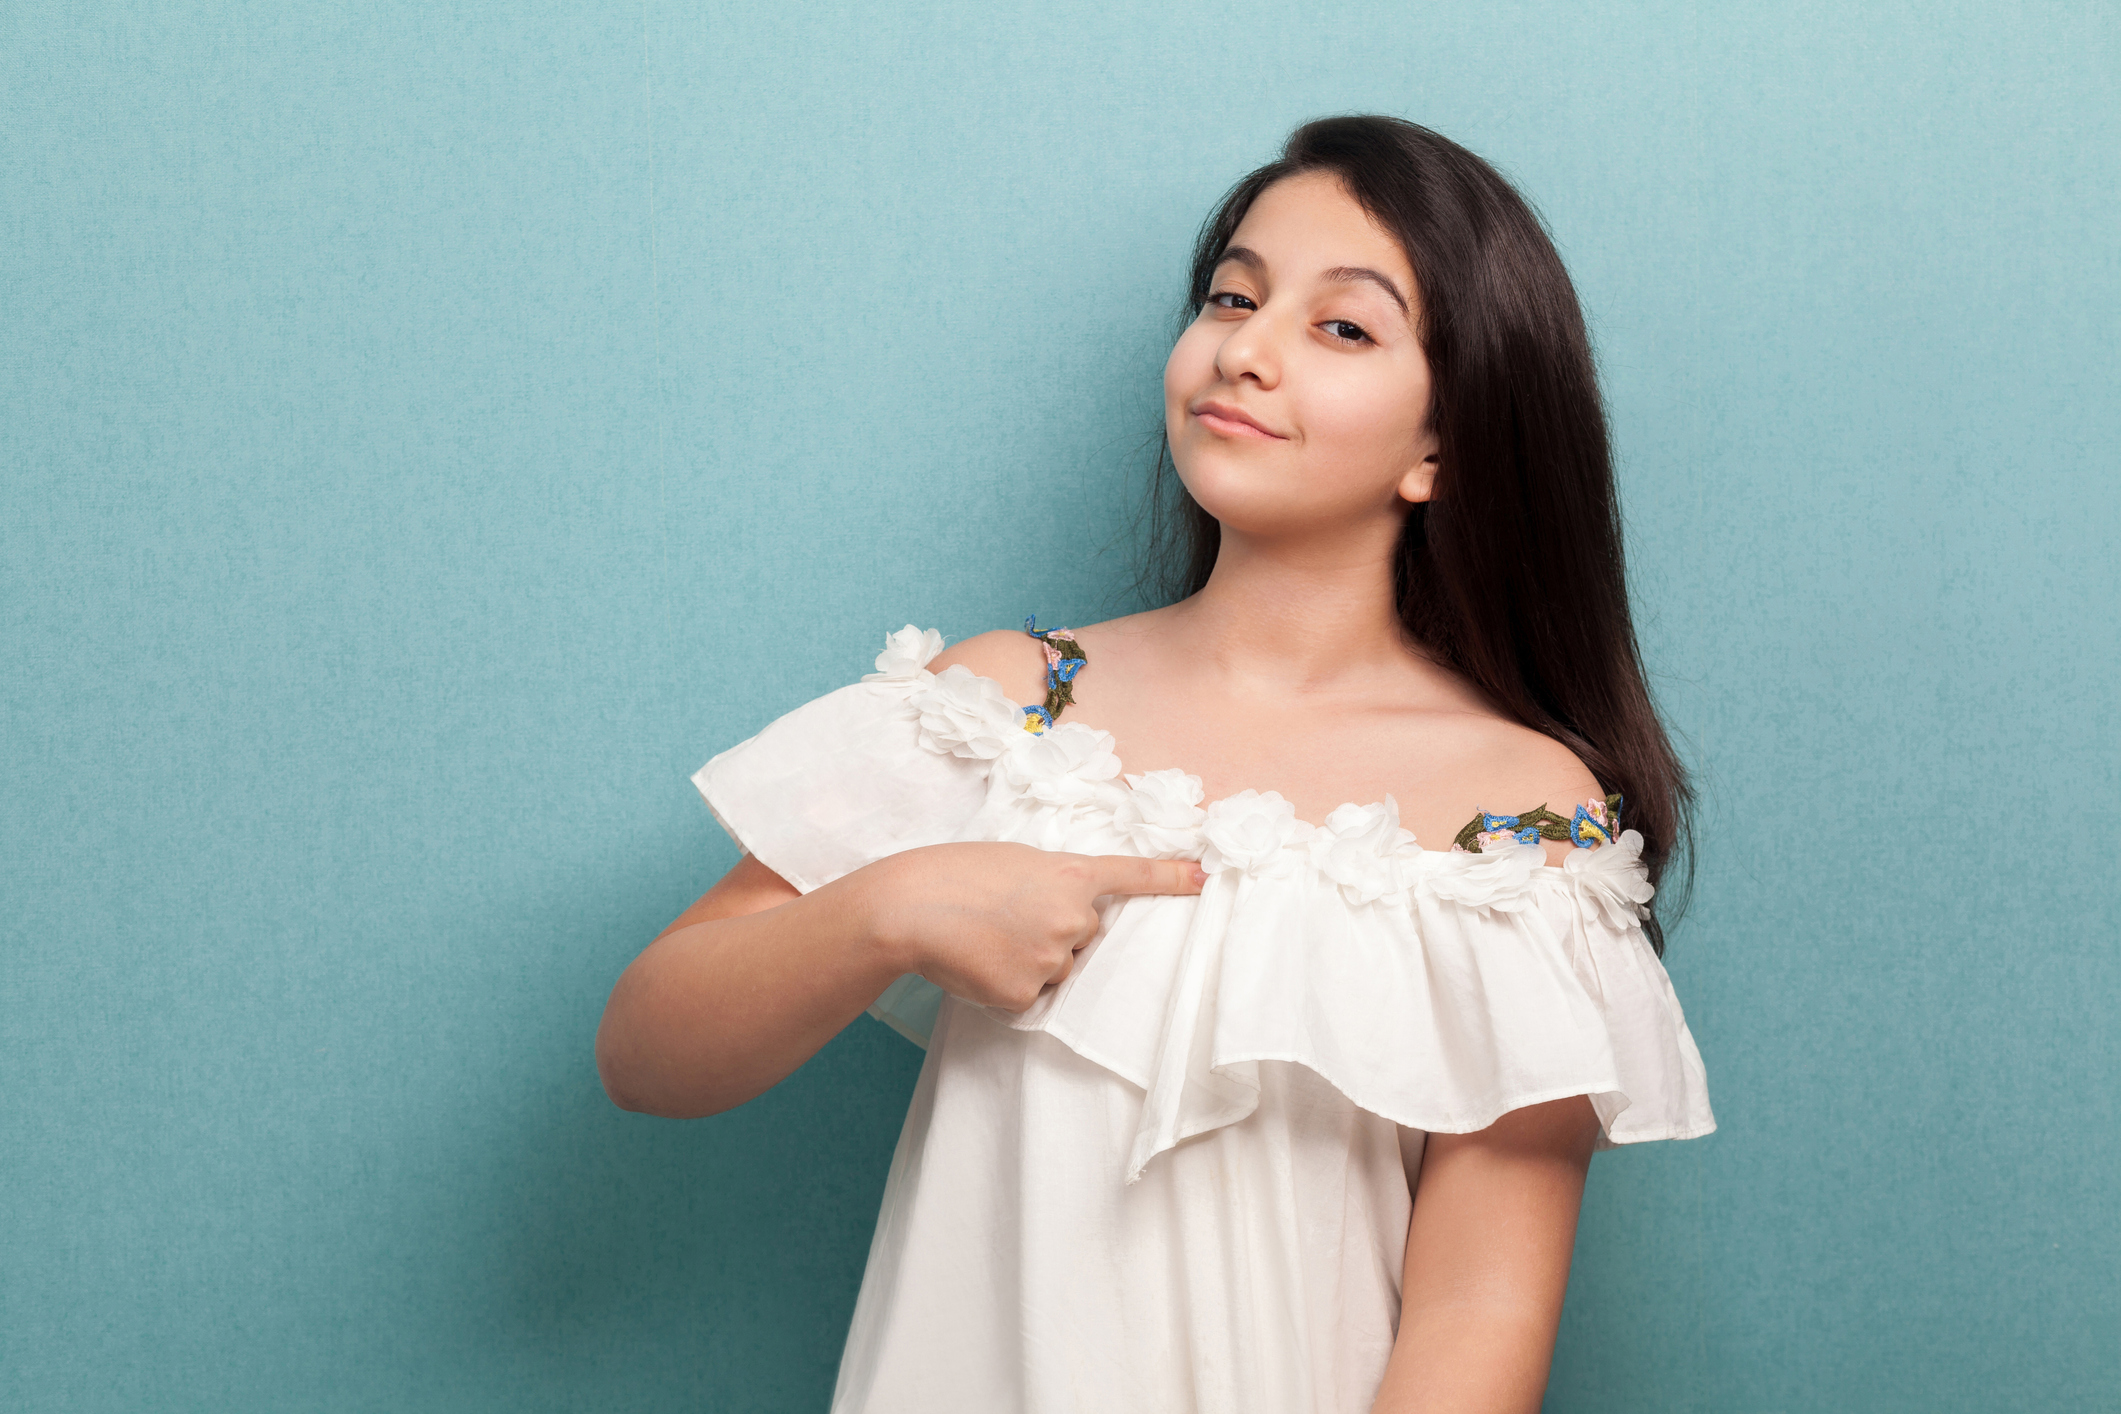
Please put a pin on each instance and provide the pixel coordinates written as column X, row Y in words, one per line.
column 1280, row 954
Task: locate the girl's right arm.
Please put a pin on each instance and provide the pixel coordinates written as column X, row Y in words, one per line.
column 755, row 977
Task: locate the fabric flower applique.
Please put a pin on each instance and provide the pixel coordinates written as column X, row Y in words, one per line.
column 906, row 655
column 1614, row 879
column 1360, row 848
column 1066, row 766
column 966, row 715
column 1493, row 879
column 1250, row 831
column 1160, row 815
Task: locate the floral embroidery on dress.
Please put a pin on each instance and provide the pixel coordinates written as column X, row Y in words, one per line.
column 1596, row 822
column 1064, row 659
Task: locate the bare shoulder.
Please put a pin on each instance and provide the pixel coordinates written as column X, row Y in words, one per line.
column 1014, row 658
column 1009, row 656
column 1520, row 769
column 1498, row 767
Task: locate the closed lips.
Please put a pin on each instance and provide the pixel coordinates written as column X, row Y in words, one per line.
column 1231, row 418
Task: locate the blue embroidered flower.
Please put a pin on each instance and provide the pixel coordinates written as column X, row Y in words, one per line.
column 1064, row 659
column 1037, row 720
column 1031, row 627
column 1591, row 827
column 1596, row 822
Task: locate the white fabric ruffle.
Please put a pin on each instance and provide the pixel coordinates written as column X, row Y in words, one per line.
column 1437, row 989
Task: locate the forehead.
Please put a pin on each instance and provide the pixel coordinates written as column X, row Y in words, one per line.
column 1309, row 223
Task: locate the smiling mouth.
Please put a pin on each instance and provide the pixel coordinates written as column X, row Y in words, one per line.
column 1230, row 423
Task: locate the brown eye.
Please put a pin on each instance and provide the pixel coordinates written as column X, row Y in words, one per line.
column 1217, row 299
column 1342, row 329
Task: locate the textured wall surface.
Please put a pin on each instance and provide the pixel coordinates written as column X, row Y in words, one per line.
column 428, row 431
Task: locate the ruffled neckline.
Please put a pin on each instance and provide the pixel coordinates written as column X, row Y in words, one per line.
column 1072, row 769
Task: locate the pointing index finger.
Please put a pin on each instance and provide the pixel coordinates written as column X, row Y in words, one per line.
column 1127, row 874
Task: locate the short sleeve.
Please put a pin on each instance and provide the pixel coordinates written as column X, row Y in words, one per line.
column 841, row 782
column 898, row 760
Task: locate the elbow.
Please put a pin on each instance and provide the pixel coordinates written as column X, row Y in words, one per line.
column 625, row 1055
column 659, row 1055
column 625, row 1099
column 627, row 1083
column 634, row 1089
column 619, row 1085
column 635, row 1098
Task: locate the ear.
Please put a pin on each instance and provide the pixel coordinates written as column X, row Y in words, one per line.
column 1419, row 484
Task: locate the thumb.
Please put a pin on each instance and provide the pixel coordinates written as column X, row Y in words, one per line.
column 1127, row 874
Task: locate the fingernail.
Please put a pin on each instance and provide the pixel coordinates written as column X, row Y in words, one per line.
column 1200, row 876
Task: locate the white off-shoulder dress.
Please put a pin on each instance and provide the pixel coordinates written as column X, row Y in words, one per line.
column 1180, row 1181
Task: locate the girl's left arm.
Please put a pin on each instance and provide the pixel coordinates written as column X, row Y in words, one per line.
column 1487, row 1263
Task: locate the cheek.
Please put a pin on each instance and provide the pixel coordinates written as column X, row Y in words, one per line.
column 1371, row 422
column 1190, row 368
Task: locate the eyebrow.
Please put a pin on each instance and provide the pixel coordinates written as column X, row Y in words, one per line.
column 1339, row 274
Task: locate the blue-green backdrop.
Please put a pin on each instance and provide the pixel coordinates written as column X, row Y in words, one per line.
column 429, row 430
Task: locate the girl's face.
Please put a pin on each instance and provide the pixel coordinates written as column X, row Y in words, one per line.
column 1298, row 399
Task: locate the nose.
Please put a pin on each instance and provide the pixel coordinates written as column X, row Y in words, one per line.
column 1252, row 349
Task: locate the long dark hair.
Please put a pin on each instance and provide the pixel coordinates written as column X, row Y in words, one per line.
column 1512, row 573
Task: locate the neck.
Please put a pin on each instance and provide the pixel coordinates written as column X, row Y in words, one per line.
column 1299, row 612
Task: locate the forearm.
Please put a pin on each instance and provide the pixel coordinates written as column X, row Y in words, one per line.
column 718, row 1011
column 1473, row 1358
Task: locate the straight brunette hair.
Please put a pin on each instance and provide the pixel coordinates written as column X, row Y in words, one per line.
column 1512, row 573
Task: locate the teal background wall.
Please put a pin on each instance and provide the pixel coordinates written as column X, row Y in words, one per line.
column 428, row 431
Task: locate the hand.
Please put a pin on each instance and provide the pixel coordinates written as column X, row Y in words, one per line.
column 996, row 923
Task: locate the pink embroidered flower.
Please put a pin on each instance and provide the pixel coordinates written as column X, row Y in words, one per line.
column 1593, row 825
column 966, row 715
column 1161, row 815
column 1495, row 839
column 906, row 653
column 1064, row 766
column 1359, row 848
column 1249, row 831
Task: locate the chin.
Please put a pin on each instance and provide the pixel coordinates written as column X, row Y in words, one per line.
column 1267, row 500
column 1248, row 504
